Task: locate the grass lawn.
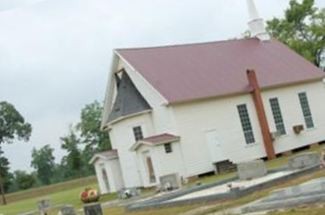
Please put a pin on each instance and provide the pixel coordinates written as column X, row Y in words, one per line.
column 68, row 193
column 303, row 210
column 45, row 190
column 69, row 196
column 60, row 194
column 164, row 211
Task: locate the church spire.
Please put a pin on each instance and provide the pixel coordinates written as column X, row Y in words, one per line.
column 256, row 23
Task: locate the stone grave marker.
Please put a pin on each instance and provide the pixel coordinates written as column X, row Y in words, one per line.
column 304, row 160
column 170, row 182
column 43, row 206
column 251, row 169
column 127, row 193
column 93, row 209
column 67, row 210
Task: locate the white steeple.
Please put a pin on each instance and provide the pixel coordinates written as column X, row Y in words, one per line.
column 256, row 24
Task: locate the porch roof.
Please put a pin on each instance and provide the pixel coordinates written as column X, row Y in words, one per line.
column 106, row 155
column 156, row 140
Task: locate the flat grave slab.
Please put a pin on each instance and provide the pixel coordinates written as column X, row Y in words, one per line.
column 225, row 188
column 312, row 191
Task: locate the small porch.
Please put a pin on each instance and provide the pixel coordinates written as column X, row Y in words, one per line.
column 108, row 171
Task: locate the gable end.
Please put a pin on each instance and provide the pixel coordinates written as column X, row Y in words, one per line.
column 128, row 101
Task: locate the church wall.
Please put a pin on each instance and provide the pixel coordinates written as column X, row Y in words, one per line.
column 122, row 138
column 196, row 118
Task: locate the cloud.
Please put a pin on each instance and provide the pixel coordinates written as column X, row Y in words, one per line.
column 14, row 4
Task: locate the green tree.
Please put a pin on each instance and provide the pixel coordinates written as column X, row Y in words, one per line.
column 89, row 127
column 72, row 161
column 23, row 180
column 4, row 171
column 43, row 163
column 59, row 173
column 91, row 134
column 12, row 126
column 302, row 29
column 87, row 154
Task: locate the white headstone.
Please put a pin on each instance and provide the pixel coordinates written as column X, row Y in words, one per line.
column 304, row 160
column 251, row 169
column 170, row 182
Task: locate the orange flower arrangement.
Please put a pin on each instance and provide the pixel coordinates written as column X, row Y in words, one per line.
column 89, row 195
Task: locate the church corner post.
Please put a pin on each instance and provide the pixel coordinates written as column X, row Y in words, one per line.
column 260, row 110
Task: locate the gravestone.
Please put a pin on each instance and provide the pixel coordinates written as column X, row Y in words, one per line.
column 93, row 209
column 251, row 169
column 43, row 206
column 67, row 210
column 170, row 182
column 309, row 192
column 304, row 160
column 127, row 193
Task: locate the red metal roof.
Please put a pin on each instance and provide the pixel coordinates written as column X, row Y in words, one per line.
column 160, row 139
column 195, row 71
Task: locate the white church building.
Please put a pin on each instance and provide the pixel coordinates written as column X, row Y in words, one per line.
column 190, row 109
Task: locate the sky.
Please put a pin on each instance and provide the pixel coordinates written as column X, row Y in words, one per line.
column 55, row 55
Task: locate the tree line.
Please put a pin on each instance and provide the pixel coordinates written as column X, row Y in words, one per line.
column 83, row 140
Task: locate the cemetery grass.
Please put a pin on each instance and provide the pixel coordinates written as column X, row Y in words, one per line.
column 226, row 205
column 223, row 206
column 302, row 211
column 59, row 194
column 213, row 207
column 162, row 211
column 68, row 193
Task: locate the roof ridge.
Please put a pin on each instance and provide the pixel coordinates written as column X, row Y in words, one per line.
column 184, row 44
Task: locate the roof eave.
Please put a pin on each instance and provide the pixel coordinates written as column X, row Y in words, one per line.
column 243, row 92
column 109, row 92
column 108, row 125
column 99, row 156
column 164, row 100
column 138, row 144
